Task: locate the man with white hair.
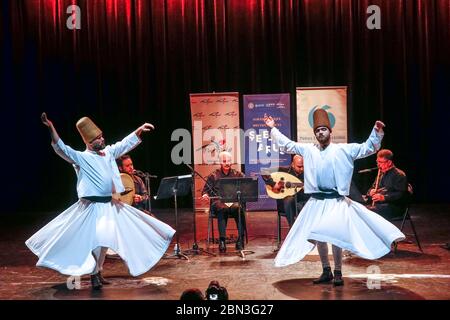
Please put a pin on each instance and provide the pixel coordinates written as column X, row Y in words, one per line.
column 223, row 210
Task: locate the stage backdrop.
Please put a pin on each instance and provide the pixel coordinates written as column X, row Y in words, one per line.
column 138, row 60
column 215, row 120
column 260, row 153
column 331, row 99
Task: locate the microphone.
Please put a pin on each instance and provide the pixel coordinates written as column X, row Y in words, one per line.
column 368, row 170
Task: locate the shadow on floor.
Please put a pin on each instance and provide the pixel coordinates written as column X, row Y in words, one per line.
column 304, row 289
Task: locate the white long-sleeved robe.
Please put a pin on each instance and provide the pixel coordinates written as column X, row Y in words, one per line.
column 340, row 221
column 66, row 243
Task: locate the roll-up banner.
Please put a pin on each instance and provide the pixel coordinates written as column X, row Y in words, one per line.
column 261, row 155
column 331, row 99
column 215, row 128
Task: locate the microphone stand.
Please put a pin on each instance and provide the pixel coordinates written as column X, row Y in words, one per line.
column 195, row 248
column 147, row 176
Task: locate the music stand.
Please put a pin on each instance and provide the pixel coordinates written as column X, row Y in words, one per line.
column 240, row 190
column 174, row 187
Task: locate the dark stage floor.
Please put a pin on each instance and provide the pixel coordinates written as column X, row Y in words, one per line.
column 408, row 274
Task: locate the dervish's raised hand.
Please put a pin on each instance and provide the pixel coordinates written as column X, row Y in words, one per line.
column 379, row 126
column 146, row 127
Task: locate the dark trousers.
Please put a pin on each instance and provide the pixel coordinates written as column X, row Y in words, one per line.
column 223, row 212
column 290, row 207
column 388, row 211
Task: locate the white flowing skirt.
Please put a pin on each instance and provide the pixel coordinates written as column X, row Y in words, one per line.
column 66, row 243
column 342, row 222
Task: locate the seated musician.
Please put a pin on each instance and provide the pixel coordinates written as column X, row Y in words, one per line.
column 223, row 210
column 390, row 195
column 290, row 205
column 140, row 198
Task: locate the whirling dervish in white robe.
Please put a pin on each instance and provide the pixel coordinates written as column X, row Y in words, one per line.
column 329, row 215
column 67, row 243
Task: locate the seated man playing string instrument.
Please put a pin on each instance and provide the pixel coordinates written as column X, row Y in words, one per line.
column 140, row 198
column 291, row 205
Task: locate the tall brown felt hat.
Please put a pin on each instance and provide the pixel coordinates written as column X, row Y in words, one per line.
column 88, row 130
column 321, row 119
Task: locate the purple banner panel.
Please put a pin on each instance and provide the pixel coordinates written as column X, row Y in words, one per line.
column 260, row 153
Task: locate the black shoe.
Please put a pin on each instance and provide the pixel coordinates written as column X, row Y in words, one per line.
column 239, row 245
column 102, row 280
column 222, row 246
column 325, row 277
column 338, row 278
column 95, row 282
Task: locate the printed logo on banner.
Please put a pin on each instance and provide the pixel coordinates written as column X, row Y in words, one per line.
column 198, row 115
column 251, row 106
column 231, row 114
column 224, row 100
column 330, row 116
column 206, row 101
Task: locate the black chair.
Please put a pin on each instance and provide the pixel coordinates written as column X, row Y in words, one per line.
column 406, row 216
column 281, row 213
column 279, row 227
column 213, row 215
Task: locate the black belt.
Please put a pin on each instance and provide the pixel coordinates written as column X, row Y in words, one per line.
column 98, row 199
column 322, row 195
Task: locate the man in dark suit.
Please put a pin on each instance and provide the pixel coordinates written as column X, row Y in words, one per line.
column 224, row 210
column 391, row 195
